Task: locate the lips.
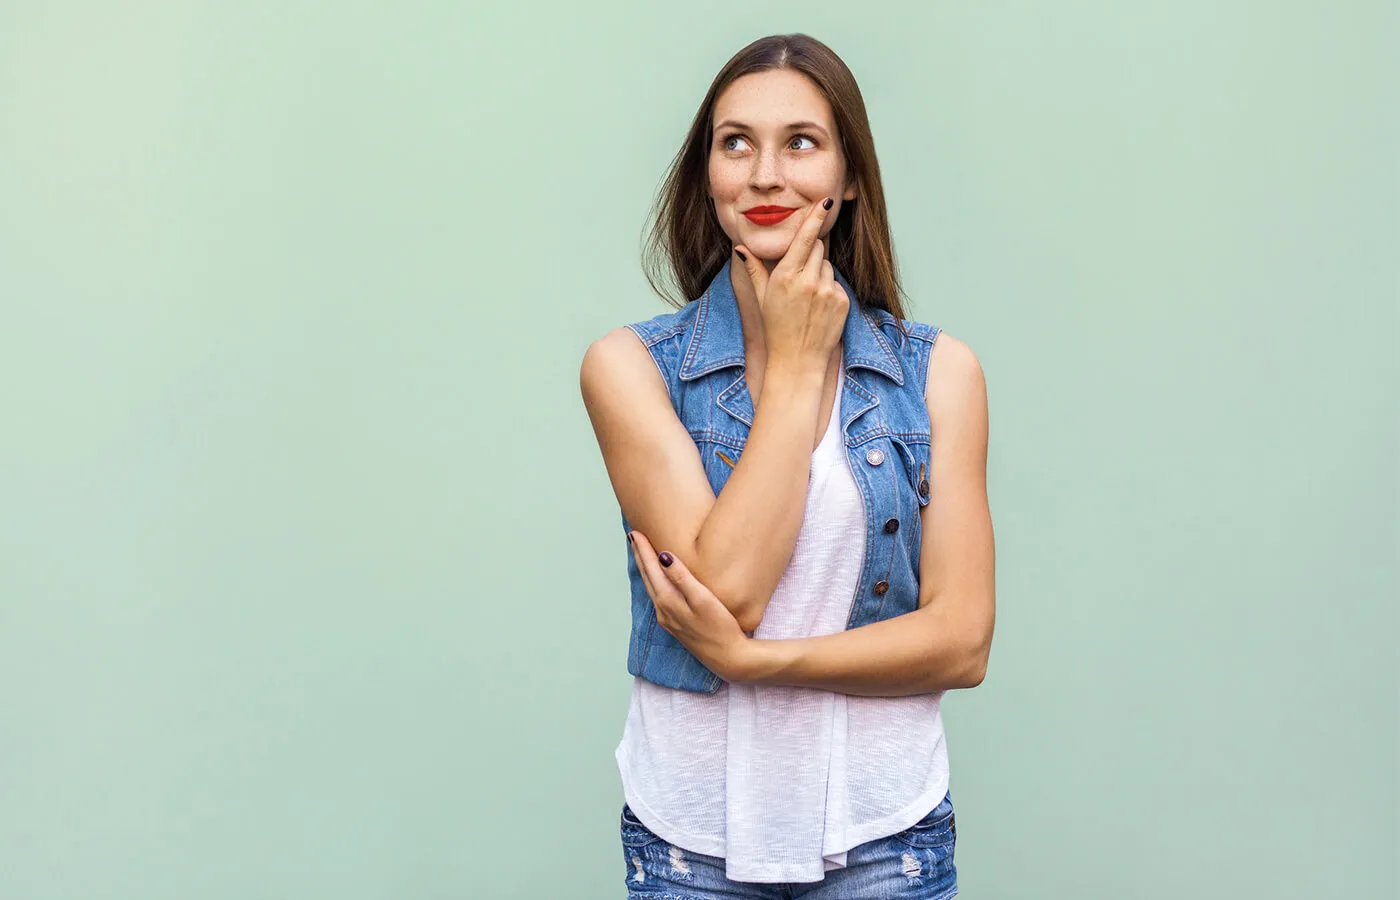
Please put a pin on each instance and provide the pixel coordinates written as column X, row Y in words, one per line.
column 768, row 215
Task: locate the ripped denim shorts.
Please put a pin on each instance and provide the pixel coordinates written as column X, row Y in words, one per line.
column 916, row 863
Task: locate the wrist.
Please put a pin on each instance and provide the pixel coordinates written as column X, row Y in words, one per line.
column 765, row 660
column 795, row 373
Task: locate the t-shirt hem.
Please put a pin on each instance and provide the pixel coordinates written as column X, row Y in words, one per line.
column 662, row 828
column 805, row 873
column 895, row 822
column 799, row 874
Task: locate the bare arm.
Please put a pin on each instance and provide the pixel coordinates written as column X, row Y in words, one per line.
column 946, row 642
column 740, row 542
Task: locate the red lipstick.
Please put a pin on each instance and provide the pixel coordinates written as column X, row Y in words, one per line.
column 768, row 215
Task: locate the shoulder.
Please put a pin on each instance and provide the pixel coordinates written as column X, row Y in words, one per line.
column 956, row 386
column 905, row 336
column 663, row 325
column 637, row 349
column 953, row 360
column 954, row 383
column 948, row 358
column 613, row 361
column 910, row 342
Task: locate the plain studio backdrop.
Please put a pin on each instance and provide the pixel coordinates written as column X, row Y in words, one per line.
column 312, row 583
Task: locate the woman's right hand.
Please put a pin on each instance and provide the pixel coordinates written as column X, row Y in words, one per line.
column 804, row 309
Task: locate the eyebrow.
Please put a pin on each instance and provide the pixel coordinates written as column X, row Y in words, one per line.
column 793, row 126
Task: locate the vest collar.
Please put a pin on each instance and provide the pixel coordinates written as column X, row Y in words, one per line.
column 717, row 339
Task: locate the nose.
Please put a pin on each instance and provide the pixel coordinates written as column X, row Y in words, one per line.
column 767, row 174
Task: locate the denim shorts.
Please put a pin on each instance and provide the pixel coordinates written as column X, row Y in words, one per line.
column 914, row 863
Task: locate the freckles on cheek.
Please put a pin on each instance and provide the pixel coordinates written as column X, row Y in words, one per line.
column 725, row 185
column 725, row 191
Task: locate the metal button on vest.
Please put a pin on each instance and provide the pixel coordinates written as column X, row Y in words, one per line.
column 881, row 587
column 891, row 526
column 923, row 487
column 874, row 456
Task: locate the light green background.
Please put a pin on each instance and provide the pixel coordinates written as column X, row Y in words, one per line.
column 311, row 578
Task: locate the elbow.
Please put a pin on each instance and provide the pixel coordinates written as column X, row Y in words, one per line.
column 974, row 669
column 747, row 610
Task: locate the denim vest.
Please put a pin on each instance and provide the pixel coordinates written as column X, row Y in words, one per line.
column 884, row 420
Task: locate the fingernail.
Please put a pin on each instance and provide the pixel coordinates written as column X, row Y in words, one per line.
column 629, row 537
column 666, row 558
column 826, row 204
column 741, row 255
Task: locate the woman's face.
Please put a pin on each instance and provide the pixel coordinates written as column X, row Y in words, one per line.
column 775, row 144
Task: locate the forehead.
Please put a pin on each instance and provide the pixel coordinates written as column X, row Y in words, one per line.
column 772, row 98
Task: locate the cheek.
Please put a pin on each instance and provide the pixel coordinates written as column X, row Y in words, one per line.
column 725, row 192
column 817, row 181
column 726, row 184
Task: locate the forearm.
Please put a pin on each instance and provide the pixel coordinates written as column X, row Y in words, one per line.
column 748, row 537
column 915, row 653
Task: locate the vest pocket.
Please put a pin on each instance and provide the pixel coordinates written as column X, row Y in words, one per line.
column 719, row 457
column 915, row 458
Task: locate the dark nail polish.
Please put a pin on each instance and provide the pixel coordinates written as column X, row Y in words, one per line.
column 826, row 204
column 666, row 558
column 741, row 255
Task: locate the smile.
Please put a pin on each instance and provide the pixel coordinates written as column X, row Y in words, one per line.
column 768, row 215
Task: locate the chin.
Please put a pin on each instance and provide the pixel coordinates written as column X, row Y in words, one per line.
column 770, row 246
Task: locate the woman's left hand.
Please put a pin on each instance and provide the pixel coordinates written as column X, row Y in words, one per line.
column 692, row 614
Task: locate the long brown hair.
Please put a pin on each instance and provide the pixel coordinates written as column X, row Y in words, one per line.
column 685, row 243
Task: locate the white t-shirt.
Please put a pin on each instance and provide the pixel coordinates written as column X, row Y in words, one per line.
column 781, row 781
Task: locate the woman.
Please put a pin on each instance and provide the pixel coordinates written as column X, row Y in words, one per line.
column 808, row 577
